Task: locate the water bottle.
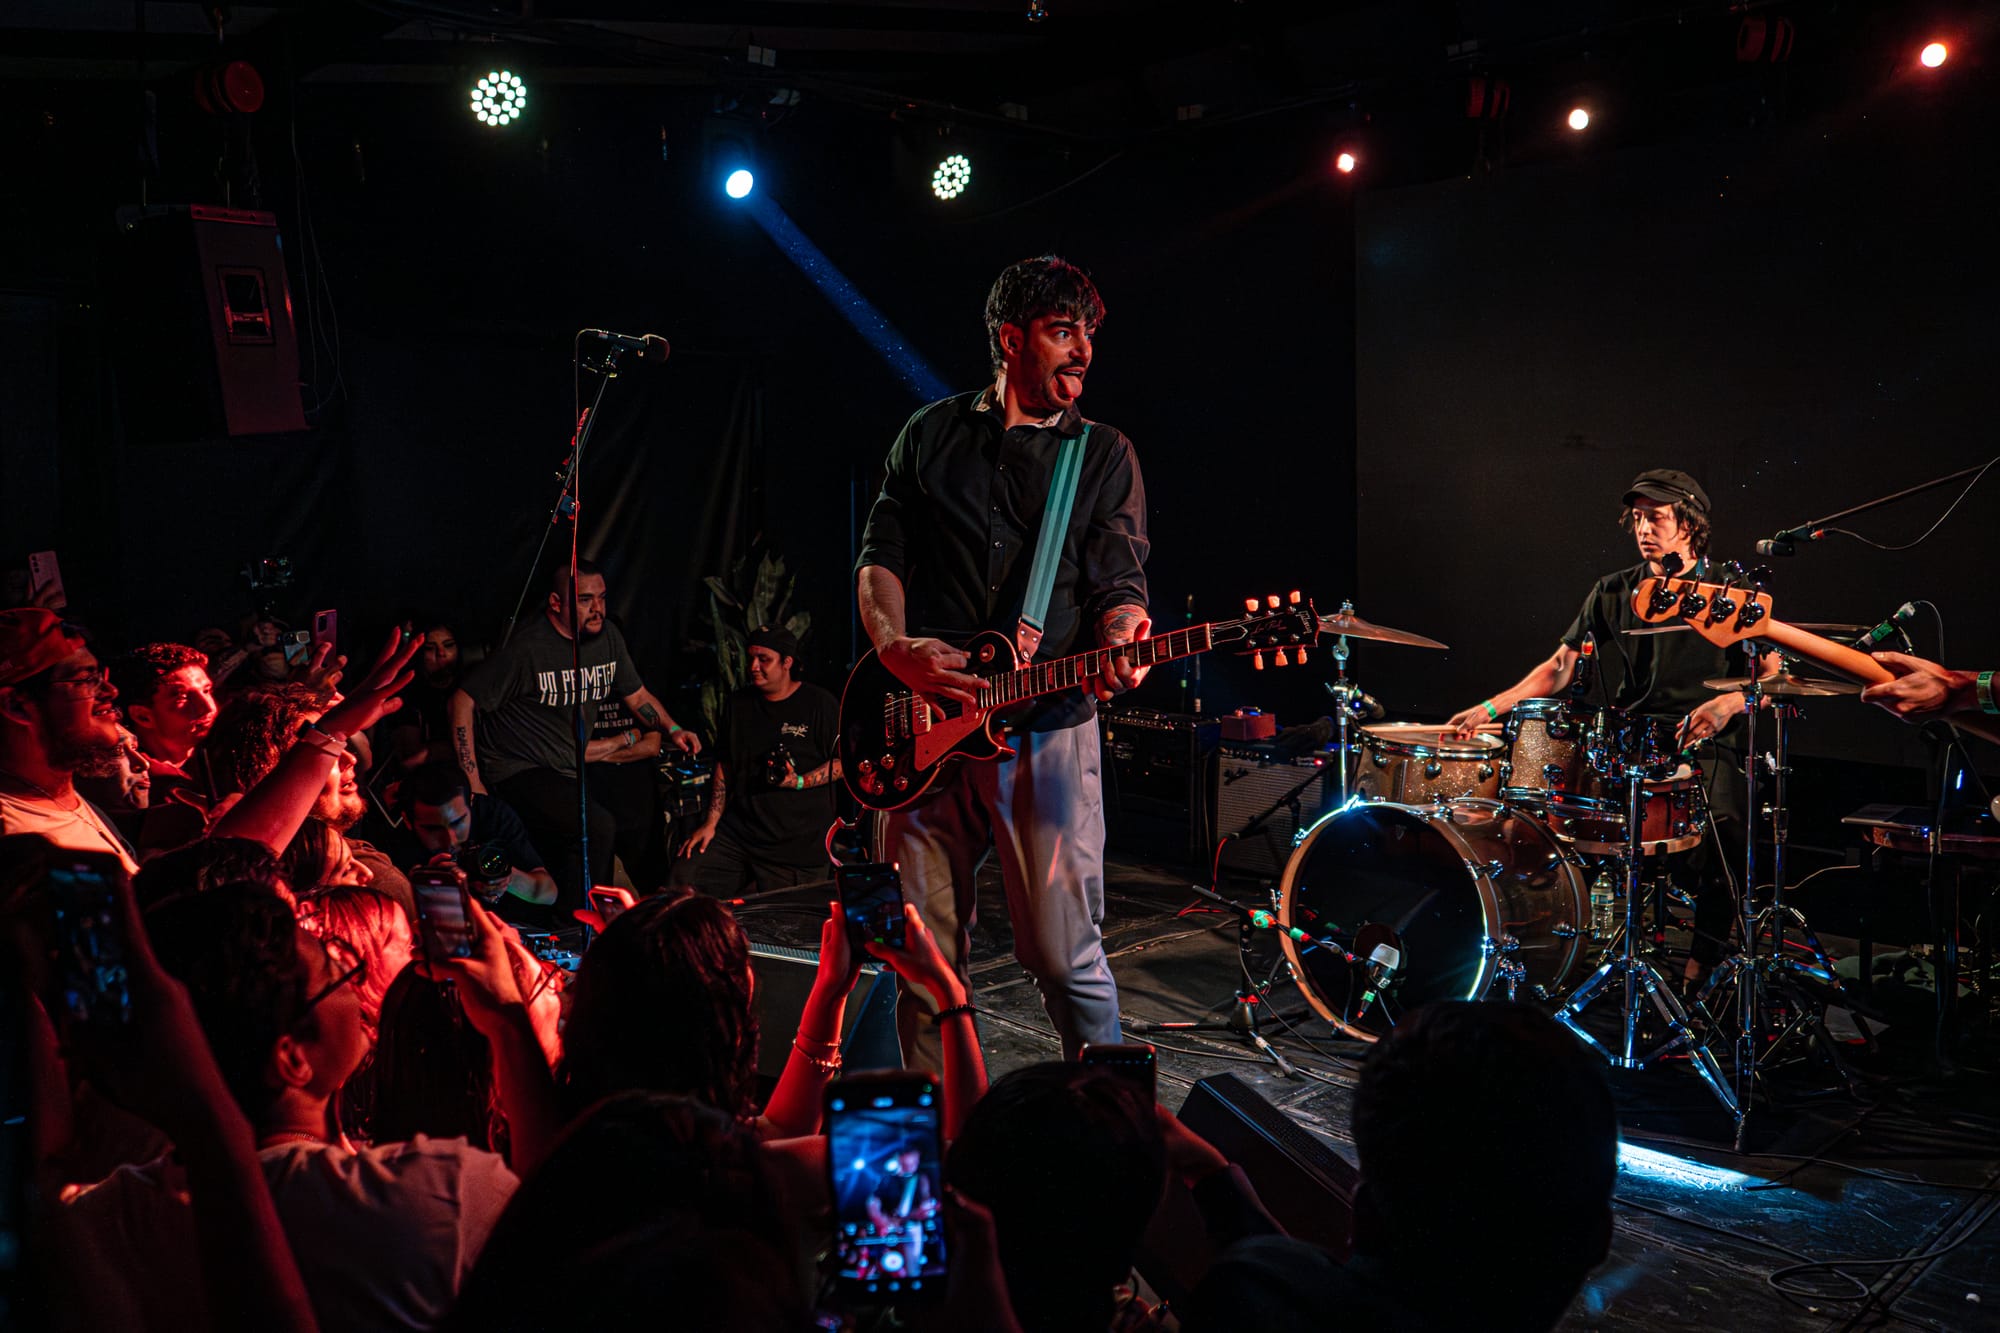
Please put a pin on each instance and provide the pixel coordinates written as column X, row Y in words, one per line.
column 1603, row 906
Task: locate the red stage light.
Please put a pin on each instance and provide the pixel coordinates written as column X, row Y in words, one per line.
column 1934, row 55
column 1345, row 163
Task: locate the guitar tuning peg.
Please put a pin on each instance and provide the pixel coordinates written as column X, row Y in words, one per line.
column 1257, row 660
column 1250, row 604
column 1295, row 598
column 1272, row 601
column 1280, row 659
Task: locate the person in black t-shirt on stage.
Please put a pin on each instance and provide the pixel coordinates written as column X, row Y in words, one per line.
column 770, row 799
column 1660, row 676
column 524, row 697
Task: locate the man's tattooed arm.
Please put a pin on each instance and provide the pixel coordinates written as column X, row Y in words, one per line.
column 822, row 775
column 718, row 794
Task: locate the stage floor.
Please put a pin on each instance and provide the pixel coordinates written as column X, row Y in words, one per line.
column 1902, row 1180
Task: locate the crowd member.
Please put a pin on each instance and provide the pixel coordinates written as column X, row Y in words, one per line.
column 948, row 552
column 168, row 702
column 383, row 1234
column 686, row 955
column 433, row 1071
column 282, row 755
column 125, row 792
column 58, row 721
column 634, row 1161
column 513, row 722
column 421, row 733
column 1520, row 1242
column 623, row 765
column 209, row 863
column 377, row 928
column 447, row 820
column 1922, row 690
column 770, row 798
column 1072, row 1162
column 320, row 857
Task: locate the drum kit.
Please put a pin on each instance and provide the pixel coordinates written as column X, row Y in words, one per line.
column 1491, row 866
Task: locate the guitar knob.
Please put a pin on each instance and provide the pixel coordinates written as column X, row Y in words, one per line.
column 986, row 652
column 902, row 782
column 864, row 768
column 888, row 762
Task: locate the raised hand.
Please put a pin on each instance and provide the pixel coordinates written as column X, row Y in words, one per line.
column 374, row 698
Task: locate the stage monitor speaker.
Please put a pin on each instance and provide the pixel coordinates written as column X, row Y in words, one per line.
column 867, row 1030
column 1306, row 1186
column 1280, row 797
column 206, row 339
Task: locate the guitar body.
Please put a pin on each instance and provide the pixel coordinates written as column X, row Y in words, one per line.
column 895, row 743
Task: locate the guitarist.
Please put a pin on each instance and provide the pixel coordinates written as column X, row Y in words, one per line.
column 1659, row 676
column 947, row 553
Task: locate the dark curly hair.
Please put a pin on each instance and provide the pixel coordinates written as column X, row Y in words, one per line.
column 1693, row 520
column 138, row 674
column 254, row 729
column 1034, row 287
column 205, row 864
column 236, row 949
column 662, row 1002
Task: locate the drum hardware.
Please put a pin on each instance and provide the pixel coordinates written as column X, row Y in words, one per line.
column 1245, row 1006
column 1347, row 694
column 1642, row 982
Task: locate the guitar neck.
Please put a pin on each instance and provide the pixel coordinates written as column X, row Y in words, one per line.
column 1838, row 656
column 1069, row 673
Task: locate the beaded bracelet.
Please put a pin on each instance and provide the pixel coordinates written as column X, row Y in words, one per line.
column 1984, row 689
column 827, row 1065
column 942, row 1014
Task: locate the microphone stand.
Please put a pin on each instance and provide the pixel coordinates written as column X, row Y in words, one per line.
column 1785, row 543
column 1243, row 1009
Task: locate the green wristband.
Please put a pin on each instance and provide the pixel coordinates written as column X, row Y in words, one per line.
column 1984, row 689
column 1492, row 713
column 673, row 727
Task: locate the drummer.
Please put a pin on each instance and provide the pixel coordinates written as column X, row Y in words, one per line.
column 1659, row 676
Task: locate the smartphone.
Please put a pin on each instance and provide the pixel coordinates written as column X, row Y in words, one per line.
column 885, row 1164
column 1136, row 1061
column 45, row 585
column 608, row 900
column 871, row 898
column 298, row 647
column 326, row 630
column 88, row 939
column 444, row 911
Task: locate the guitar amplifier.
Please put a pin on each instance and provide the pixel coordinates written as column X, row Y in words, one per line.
column 1159, row 783
column 1264, row 801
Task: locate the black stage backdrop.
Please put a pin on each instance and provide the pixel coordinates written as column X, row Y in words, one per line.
column 459, row 262
column 1802, row 320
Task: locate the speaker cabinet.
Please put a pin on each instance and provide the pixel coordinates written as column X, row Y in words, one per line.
column 206, row 339
column 867, row 1030
column 1262, row 805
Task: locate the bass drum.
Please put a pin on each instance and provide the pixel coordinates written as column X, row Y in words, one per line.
column 1473, row 896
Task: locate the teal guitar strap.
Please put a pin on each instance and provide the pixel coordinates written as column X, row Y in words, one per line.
column 1048, row 547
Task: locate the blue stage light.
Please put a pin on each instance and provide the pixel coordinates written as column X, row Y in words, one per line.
column 739, row 184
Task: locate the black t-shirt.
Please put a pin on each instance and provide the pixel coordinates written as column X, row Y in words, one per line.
column 493, row 822
column 526, row 694
column 807, row 724
column 1655, row 675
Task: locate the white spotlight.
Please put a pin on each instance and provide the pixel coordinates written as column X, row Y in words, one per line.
column 952, row 176
column 499, row 98
column 1933, row 55
column 739, row 184
column 1579, row 118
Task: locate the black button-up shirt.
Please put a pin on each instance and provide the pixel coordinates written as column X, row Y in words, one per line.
column 959, row 514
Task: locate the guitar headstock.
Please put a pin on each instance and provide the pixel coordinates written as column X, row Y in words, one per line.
column 1282, row 626
column 1723, row 613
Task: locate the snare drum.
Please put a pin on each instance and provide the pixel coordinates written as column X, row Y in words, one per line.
column 1673, row 820
column 1413, row 763
column 1545, row 751
column 1474, row 897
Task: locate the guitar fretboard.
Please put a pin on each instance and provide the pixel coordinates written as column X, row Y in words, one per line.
column 1069, row 673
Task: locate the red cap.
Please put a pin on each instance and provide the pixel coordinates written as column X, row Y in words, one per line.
column 31, row 641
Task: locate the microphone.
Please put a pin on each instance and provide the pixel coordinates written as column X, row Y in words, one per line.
column 1367, row 707
column 1382, row 965
column 649, row 346
column 1786, row 542
column 1265, row 921
column 1887, row 627
column 1585, row 671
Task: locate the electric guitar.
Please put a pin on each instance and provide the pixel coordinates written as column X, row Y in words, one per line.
column 894, row 742
column 1727, row 613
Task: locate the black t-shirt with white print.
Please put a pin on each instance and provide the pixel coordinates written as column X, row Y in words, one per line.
column 527, row 694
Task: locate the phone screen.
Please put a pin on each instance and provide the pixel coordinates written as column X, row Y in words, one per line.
column 885, row 1155
column 298, row 647
column 1136, row 1061
column 442, row 912
column 326, row 630
column 609, row 901
column 871, row 898
column 90, row 971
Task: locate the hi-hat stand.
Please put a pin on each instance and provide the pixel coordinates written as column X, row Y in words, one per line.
column 1642, row 983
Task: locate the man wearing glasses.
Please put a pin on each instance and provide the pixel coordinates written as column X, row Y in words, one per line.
column 58, row 722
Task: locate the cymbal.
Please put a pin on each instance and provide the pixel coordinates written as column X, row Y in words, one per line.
column 1783, row 686
column 1354, row 627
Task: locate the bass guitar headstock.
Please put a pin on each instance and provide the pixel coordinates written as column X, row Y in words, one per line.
column 1723, row 613
column 1285, row 627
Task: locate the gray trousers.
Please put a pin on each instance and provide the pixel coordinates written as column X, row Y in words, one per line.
column 1043, row 811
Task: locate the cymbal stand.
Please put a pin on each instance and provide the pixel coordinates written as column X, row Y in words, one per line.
column 1344, row 692
column 1245, row 1007
column 1642, row 982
